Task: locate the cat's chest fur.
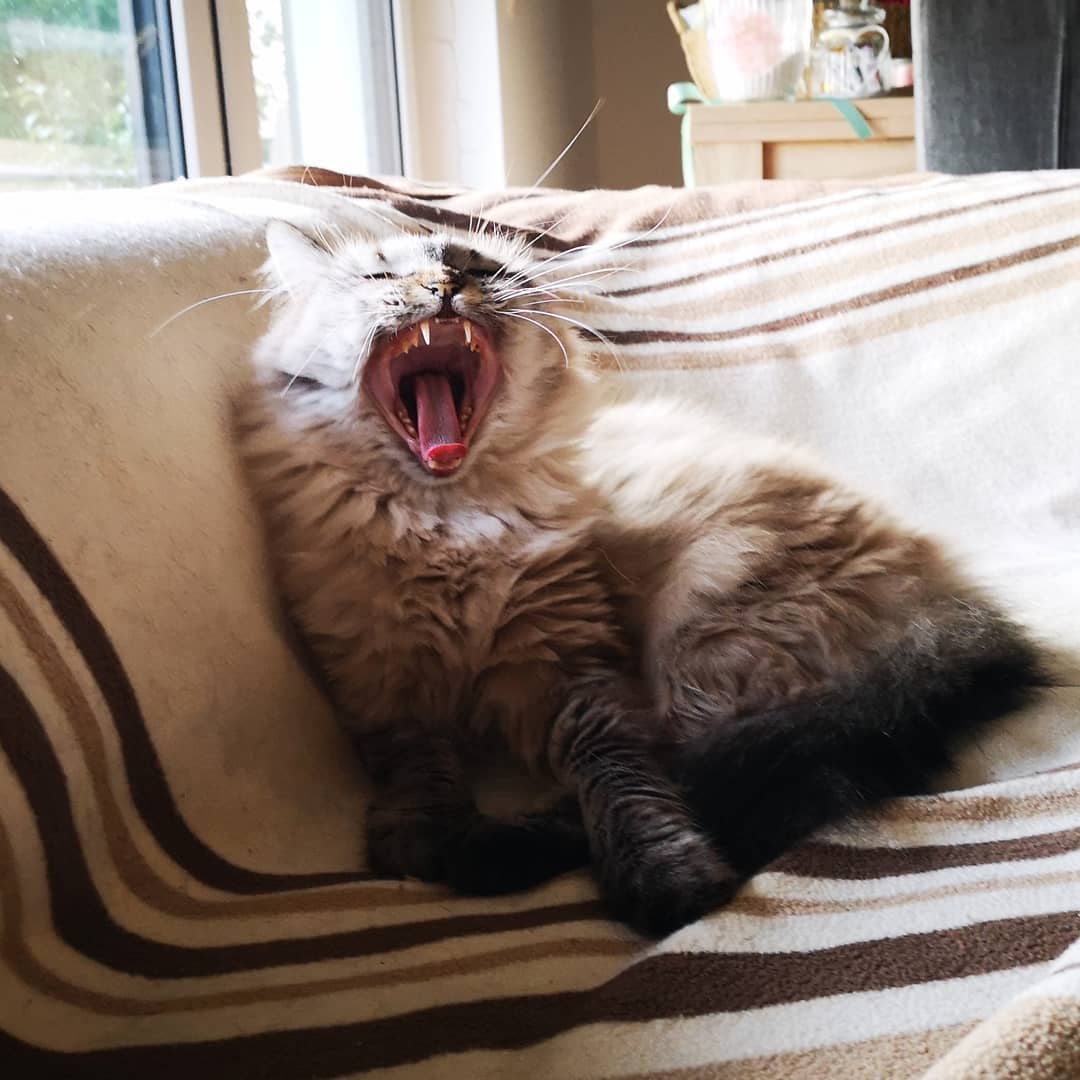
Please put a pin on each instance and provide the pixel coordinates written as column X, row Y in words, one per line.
column 462, row 617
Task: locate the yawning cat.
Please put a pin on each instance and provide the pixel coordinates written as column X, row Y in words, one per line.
column 711, row 645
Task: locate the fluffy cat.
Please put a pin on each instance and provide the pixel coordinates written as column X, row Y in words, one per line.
column 710, row 645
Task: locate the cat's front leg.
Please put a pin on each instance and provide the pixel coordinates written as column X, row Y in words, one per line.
column 422, row 800
column 657, row 870
column 425, row 824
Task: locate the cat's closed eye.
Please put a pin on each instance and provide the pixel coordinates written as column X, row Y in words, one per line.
column 379, row 275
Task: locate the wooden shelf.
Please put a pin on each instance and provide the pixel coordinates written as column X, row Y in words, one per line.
column 799, row 140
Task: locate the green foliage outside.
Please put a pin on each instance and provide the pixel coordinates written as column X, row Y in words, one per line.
column 94, row 14
column 64, row 104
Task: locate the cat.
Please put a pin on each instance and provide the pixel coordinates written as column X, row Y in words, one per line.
column 710, row 645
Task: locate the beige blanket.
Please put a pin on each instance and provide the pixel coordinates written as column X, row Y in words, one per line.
column 181, row 892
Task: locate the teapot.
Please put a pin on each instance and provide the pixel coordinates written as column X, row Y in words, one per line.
column 851, row 57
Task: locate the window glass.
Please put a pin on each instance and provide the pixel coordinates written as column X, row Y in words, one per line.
column 87, row 94
column 324, row 82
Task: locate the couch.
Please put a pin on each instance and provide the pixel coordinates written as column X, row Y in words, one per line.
column 182, row 881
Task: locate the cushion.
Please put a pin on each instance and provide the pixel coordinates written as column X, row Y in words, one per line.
column 181, row 820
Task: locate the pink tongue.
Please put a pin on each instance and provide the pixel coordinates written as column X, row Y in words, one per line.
column 437, row 421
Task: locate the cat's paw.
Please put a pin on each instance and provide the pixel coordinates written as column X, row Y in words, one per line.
column 667, row 884
column 403, row 843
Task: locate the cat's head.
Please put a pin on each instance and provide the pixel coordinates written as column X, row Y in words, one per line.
column 445, row 351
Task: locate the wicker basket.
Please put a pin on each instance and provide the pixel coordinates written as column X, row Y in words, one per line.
column 695, row 47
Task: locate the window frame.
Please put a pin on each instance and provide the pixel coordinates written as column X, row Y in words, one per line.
column 216, row 86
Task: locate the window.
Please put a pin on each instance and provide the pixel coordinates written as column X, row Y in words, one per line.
column 335, row 107
column 88, row 94
column 98, row 93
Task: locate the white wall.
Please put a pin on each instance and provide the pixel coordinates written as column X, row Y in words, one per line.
column 636, row 55
column 448, row 75
column 546, row 63
column 493, row 90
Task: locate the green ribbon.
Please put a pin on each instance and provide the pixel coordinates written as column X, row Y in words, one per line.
column 681, row 95
column 852, row 114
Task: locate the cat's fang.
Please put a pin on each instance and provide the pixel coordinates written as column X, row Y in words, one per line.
column 425, row 329
column 466, row 328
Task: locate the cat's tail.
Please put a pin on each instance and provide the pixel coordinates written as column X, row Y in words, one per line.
column 761, row 783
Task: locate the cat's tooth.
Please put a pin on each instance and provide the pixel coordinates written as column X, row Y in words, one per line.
column 425, row 329
column 467, row 327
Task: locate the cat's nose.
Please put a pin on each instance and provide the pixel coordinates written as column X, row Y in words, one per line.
column 445, row 289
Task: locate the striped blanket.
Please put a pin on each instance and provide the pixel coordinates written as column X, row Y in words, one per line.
column 182, row 891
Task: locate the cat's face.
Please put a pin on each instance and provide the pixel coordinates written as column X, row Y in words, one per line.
column 427, row 339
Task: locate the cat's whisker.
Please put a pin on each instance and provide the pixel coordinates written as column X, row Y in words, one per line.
column 595, row 272
column 580, row 253
column 317, row 230
column 300, row 370
column 569, row 146
column 207, row 300
column 365, row 349
column 589, row 330
column 547, row 288
column 516, row 314
column 555, row 300
column 564, row 255
column 584, row 277
column 397, row 226
column 636, row 238
column 510, row 296
column 583, row 250
column 648, row 232
column 556, row 289
column 546, row 232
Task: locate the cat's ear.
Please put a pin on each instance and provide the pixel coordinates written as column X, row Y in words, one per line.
column 295, row 259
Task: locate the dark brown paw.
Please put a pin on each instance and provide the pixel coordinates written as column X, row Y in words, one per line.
column 667, row 884
column 402, row 843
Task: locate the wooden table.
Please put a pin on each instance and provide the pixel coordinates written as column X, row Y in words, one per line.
column 797, row 140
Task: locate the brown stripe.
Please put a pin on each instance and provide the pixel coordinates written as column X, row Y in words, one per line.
column 872, row 231
column 316, row 176
column 842, row 334
column 84, row 923
column 145, row 775
column 674, row 208
column 665, row 985
column 902, row 250
column 15, row 951
column 144, row 882
column 136, row 873
column 764, row 906
column 980, row 808
column 419, row 204
column 855, row 303
column 830, row 860
column 793, row 195
column 822, row 860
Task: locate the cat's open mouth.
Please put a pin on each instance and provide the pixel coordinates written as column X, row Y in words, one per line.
column 434, row 382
